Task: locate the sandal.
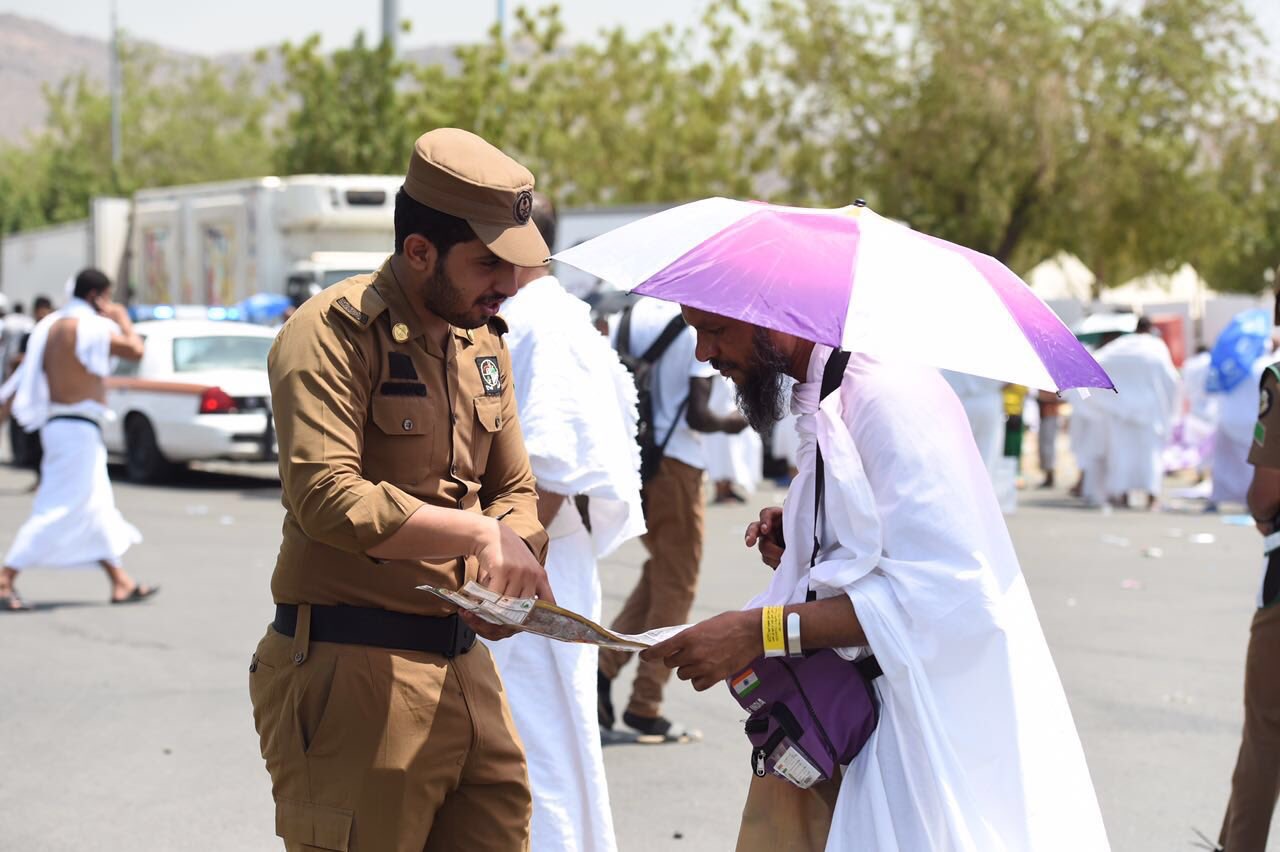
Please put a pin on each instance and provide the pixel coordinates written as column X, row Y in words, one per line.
column 12, row 603
column 139, row 593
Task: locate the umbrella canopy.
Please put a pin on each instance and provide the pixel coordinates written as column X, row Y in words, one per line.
column 1242, row 342
column 848, row 278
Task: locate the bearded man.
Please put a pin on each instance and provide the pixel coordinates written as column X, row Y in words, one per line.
column 975, row 748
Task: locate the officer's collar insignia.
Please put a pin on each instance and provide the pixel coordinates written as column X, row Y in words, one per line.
column 351, row 310
column 400, row 332
column 489, row 375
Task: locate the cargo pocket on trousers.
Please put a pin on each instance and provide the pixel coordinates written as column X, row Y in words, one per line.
column 313, row 825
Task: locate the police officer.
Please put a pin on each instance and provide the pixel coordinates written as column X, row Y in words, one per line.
column 1255, row 785
column 382, row 722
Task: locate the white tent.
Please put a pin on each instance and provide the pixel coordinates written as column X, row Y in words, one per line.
column 1185, row 286
column 1061, row 277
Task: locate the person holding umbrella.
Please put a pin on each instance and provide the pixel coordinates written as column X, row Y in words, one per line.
column 894, row 546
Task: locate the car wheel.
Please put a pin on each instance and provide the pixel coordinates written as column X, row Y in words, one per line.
column 143, row 460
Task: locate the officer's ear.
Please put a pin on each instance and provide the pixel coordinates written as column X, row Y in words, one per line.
column 420, row 253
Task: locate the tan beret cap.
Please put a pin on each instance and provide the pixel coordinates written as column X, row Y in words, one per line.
column 459, row 173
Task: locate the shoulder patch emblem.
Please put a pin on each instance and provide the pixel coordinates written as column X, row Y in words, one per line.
column 490, row 377
column 352, row 311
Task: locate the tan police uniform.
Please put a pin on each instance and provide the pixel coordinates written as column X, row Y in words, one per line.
column 1255, row 785
column 382, row 723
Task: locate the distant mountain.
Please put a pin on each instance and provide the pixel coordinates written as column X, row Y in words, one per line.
column 34, row 54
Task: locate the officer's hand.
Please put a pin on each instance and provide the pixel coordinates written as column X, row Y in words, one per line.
column 766, row 534
column 486, row 629
column 713, row 650
column 508, row 568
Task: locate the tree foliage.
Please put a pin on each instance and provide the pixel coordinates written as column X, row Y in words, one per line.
column 1131, row 134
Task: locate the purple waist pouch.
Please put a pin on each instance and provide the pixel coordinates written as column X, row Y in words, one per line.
column 809, row 715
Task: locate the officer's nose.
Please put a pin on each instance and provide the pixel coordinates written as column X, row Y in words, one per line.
column 508, row 280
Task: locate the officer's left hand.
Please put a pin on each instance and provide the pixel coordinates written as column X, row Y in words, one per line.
column 486, row 629
column 712, row 650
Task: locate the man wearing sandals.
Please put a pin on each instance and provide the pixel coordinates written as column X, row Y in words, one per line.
column 60, row 390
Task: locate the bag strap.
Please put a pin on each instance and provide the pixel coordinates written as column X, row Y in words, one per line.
column 623, row 343
column 832, row 375
column 668, row 336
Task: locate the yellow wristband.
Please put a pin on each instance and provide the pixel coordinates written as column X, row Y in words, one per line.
column 775, row 637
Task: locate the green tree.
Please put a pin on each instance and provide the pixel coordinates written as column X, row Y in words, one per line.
column 348, row 114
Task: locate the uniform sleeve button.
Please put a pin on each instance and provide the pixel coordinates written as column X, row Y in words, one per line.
column 297, row 658
column 453, row 470
column 497, row 421
column 407, row 425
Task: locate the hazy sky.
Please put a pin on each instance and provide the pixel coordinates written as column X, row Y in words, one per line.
column 237, row 25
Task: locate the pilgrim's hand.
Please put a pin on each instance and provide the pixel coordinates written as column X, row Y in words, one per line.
column 486, row 629
column 712, row 650
column 766, row 534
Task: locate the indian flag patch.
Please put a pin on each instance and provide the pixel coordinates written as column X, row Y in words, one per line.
column 744, row 683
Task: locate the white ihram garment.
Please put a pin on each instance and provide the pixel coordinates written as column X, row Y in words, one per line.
column 975, row 749
column 736, row 458
column 983, row 401
column 577, row 409
column 1139, row 416
column 74, row 522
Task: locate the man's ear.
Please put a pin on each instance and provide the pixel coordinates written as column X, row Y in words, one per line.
column 420, row 253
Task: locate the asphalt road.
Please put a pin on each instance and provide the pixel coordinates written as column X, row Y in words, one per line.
column 128, row 728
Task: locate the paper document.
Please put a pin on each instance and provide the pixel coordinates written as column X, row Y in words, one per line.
column 546, row 619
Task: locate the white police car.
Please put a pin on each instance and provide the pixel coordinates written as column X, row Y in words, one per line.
column 199, row 393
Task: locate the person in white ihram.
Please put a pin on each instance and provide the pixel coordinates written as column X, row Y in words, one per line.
column 577, row 406
column 975, row 749
column 60, row 390
column 1139, row 416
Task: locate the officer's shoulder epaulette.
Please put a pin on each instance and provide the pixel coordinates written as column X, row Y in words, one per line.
column 498, row 325
column 1272, row 370
column 357, row 300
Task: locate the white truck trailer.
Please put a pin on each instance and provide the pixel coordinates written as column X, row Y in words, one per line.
column 219, row 243
column 40, row 261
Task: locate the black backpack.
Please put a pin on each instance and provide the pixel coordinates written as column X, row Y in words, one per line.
column 641, row 368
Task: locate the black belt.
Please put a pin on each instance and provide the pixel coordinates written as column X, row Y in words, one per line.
column 381, row 628
column 79, row 417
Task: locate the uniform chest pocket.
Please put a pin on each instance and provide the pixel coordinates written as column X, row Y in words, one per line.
column 400, row 448
column 490, row 422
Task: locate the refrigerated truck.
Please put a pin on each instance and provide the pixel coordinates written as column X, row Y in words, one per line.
column 39, row 262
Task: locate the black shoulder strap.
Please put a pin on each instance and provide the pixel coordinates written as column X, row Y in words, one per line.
column 668, row 336
column 623, row 343
column 832, row 375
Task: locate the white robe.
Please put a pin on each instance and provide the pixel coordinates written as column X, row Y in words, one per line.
column 975, row 749
column 983, row 401
column 734, row 458
column 1237, row 414
column 577, row 408
column 74, row 522
column 1139, row 416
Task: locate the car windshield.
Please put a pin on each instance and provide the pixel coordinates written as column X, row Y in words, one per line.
column 220, row 352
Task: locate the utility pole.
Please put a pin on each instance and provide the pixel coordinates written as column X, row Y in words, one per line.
column 391, row 25
column 116, row 150
column 502, row 18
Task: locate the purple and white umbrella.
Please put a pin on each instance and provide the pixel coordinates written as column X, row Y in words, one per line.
column 848, row 278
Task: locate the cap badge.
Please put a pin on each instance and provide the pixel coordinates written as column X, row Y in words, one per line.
column 400, row 332
column 524, row 207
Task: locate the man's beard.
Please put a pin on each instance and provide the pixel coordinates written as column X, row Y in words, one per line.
column 760, row 396
column 443, row 298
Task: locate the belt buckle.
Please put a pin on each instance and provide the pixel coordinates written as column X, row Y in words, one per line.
column 462, row 638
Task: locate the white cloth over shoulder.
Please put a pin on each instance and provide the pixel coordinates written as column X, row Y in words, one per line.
column 1237, row 414
column 975, row 748
column 577, row 408
column 1139, row 416
column 29, row 387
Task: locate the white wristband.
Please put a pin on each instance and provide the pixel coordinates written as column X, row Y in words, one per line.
column 793, row 635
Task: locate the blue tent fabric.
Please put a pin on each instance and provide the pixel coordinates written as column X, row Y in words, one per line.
column 1242, row 342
